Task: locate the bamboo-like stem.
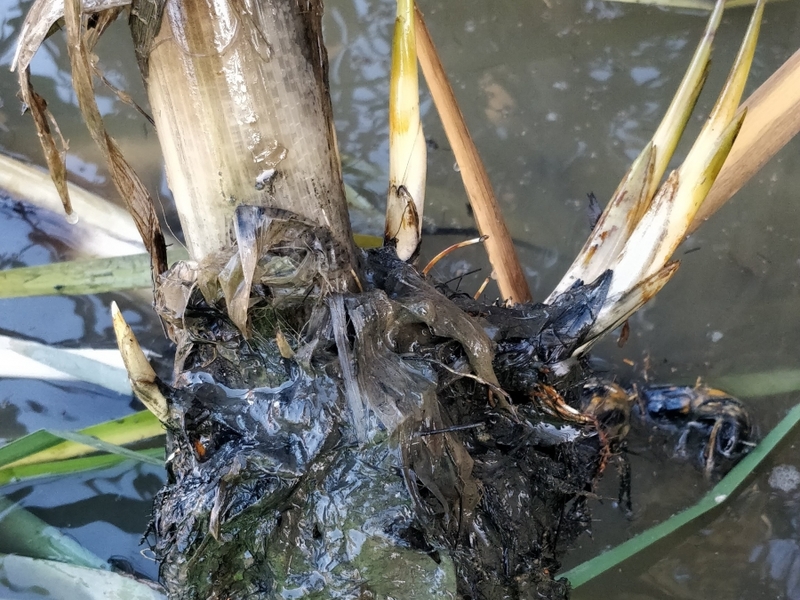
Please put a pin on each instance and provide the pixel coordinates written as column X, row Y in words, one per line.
column 773, row 118
column 407, row 151
column 239, row 95
column 489, row 219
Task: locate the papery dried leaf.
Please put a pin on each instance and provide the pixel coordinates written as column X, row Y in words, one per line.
column 41, row 17
column 247, row 223
column 101, row 21
column 123, row 96
column 145, row 21
column 130, row 187
column 56, row 159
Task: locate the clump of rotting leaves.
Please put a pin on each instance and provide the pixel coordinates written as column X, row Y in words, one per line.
column 386, row 443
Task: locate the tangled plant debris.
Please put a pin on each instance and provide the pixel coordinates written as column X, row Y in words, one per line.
column 399, row 442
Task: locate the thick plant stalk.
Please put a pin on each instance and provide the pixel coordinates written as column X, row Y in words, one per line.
column 499, row 246
column 239, row 95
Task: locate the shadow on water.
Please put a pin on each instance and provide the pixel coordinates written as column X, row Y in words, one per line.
column 559, row 96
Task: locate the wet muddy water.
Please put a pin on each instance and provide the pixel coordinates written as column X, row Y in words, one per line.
column 560, row 95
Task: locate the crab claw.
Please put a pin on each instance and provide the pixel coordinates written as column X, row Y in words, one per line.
column 144, row 381
column 407, row 150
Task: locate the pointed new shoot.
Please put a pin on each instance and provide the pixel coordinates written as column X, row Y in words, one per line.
column 407, row 150
column 615, row 225
column 636, row 190
column 671, row 128
column 665, row 225
column 143, row 378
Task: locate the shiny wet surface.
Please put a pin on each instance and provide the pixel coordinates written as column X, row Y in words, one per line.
column 559, row 97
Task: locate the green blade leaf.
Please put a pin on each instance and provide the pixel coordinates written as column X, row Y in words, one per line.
column 73, row 465
column 91, row 276
column 101, row 446
column 43, row 446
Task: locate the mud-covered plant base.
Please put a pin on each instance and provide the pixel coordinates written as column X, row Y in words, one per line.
column 367, row 445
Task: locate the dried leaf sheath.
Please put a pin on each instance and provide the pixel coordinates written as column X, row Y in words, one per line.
column 80, row 41
column 488, row 217
column 130, row 187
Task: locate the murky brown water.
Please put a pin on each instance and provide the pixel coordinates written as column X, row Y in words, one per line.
column 559, row 95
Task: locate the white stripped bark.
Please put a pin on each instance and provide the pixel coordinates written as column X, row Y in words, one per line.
column 239, row 94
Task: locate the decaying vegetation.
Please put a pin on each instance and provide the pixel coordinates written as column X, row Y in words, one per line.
column 339, row 425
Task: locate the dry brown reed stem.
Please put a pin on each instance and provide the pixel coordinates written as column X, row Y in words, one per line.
column 773, row 118
column 499, row 246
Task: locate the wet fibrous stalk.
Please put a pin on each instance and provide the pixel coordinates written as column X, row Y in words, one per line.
column 404, row 441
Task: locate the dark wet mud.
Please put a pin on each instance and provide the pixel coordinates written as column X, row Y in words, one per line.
column 403, row 441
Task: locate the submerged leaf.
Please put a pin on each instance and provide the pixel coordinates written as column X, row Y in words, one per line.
column 62, row 581
column 71, row 466
column 92, row 276
column 721, row 492
column 24, row 533
column 73, row 362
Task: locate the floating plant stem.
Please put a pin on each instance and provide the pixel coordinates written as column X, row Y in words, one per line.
column 488, row 217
